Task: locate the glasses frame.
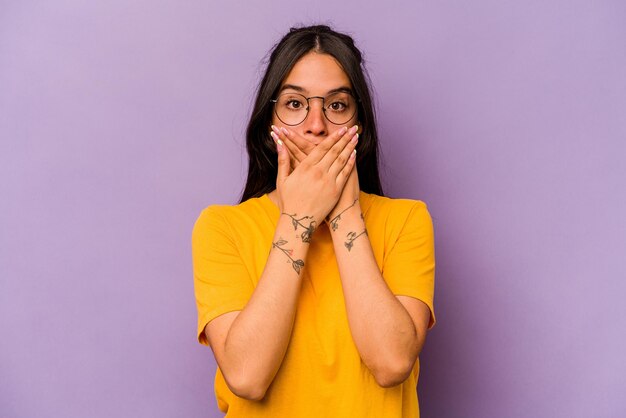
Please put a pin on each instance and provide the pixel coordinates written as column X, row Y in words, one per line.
column 308, row 107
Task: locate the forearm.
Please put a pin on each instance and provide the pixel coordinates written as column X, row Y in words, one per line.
column 258, row 338
column 381, row 327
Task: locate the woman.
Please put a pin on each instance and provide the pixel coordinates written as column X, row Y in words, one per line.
column 315, row 292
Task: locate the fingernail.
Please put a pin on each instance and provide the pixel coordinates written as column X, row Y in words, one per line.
column 284, row 130
column 343, row 130
column 355, row 139
column 274, row 136
column 275, row 129
column 353, row 155
column 354, row 129
column 279, row 145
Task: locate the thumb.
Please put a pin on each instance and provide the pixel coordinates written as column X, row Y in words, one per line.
column 283, row 162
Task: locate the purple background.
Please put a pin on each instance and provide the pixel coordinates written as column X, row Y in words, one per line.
column 120, row 121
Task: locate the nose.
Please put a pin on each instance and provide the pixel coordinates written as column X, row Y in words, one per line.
column 315, row 124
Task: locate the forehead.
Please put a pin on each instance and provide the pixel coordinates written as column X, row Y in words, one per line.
column 317, row 73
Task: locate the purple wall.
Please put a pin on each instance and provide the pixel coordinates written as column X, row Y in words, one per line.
column 120, row 121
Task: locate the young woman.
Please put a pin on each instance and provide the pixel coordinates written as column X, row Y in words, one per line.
column 315, row 292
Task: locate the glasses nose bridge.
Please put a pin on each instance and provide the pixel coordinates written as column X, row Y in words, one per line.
column 308, row 103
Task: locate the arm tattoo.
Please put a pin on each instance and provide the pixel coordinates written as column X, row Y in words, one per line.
column 351, row 237
column 296, row 264
column 308, row 230
column 334, row 223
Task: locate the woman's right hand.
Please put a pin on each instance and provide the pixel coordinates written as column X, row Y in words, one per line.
column 315, row 185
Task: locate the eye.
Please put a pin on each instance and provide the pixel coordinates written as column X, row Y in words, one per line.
column 291, row 102
column 340, row 103
column 337, row 106
column 294, row 104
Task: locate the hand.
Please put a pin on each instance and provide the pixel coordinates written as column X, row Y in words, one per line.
column 299, row 148
column 349, row 198
column 315, row 185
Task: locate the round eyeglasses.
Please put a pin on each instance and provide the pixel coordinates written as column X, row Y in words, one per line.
column 293, row 108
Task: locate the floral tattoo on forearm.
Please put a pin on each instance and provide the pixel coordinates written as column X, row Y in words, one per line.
column 351, row 237
column 334, row 223
column 296, row 264
column 308, row 230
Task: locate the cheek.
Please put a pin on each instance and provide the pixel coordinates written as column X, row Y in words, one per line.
column 354, row 121
column 279, row 124
column 335, row 128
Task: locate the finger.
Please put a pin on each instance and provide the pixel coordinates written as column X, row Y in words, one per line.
column 335, row 152
column 323, row 147
column 303, row 145
column 298, row 154
column 283, row 160
column 293, row 162
column 347, row 169
column 294, row 151
column 342, row 159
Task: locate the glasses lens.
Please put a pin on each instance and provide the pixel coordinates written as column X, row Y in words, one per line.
column 340, row 107
column 291, row 108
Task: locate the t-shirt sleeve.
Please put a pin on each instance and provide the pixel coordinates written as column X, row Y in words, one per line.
column 409, row 266
column 221, row 281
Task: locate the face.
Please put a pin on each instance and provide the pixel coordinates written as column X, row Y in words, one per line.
column 316, row 74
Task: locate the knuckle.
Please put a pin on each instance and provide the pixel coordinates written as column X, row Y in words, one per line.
column 317, row 173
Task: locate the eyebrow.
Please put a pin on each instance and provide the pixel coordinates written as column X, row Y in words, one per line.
column 299, row 89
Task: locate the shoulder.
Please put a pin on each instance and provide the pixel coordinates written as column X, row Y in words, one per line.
column 384, row 202
column 395, row 211
column 225, row 213
column 210, row 226
column 231, row 220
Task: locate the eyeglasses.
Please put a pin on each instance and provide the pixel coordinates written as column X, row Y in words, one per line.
column 293, row 108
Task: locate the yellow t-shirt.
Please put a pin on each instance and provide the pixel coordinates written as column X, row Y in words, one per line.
column 322, row 374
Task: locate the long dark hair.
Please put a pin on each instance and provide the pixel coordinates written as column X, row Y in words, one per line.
column 263, row 164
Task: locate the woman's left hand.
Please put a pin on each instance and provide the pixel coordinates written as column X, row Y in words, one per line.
column 299, row 148
column 349, row 195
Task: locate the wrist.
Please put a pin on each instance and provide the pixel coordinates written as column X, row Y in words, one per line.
column 302, row 225
column 340, row 215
